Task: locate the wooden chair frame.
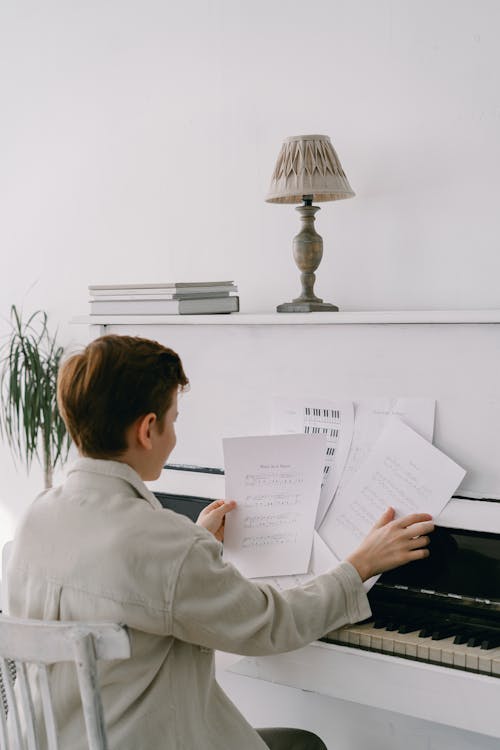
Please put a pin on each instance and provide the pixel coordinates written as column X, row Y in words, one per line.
column 44, row 643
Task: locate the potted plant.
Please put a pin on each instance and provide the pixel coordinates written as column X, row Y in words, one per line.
column 29, row 418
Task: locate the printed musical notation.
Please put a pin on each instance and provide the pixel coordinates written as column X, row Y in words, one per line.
column 276, row 482
column 278, row 500
column 319, row 417
column 403, row 470
column 260, row 541
column 275, row 478
column 266, row 521
column 371, row 416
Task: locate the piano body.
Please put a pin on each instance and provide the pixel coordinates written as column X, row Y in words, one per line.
column 424, row 672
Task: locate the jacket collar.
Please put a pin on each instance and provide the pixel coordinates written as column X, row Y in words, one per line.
column 117, row 470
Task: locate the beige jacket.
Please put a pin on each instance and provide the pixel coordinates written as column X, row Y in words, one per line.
column 101, row 547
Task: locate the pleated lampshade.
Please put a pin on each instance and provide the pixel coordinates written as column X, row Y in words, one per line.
column 308, row 165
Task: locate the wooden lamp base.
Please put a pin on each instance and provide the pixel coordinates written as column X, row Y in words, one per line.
column 298, row 307
column 307, row 252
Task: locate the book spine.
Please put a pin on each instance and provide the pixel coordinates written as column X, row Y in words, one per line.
column 156, row 297
column 203, row 306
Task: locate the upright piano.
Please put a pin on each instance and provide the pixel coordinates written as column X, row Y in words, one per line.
column 423, row 672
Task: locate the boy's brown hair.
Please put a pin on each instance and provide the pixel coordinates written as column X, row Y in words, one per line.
column 111, row 383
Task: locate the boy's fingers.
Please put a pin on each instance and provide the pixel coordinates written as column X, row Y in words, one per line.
column 419, row 529
column 386, row 516
column 414, row 518
column 419, row 541
column 224, row 507
column 212, row 506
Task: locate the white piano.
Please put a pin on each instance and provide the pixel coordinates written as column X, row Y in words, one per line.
column 363, row 689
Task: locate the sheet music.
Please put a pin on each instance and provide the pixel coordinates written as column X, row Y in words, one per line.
column 322, row 560
column 402, row 470
column 276, row 481
column 335, row 420
column 371, row 416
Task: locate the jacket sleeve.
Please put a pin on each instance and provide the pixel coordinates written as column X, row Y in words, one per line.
column 214, row 606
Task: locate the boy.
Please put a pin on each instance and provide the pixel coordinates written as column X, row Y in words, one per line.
column 100, row 547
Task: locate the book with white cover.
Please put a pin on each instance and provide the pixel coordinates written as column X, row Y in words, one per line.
column 201, row 306
column 194, row 287
column 159, row 296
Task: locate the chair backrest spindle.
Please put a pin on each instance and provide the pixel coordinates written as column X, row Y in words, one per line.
column 44, row 643
column 48, row 711
column 86, row 668
column 3, row 719
column 27, row 706
column 13, row 716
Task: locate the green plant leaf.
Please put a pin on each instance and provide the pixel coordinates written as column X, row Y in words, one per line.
column 29, row 419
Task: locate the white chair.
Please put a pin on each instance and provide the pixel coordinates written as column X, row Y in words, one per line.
column 43, row 643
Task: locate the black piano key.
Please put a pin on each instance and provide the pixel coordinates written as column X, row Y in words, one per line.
column 443, row 631
column 478, row 637
column 380, row 622
column 411, row 627
column 492, row 640
column 463, row 636
column 428, row 630
column 392, row 625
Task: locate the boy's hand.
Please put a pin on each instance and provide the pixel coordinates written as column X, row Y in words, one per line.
column 213, row 516
column 392, row 542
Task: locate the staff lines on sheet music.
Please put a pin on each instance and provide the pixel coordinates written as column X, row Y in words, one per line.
column 267, row 501
column 396, row 489
column 268, row 521
column 273, row 480
column 270, row 539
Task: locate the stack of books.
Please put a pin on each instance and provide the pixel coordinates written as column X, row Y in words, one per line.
column 194, row 298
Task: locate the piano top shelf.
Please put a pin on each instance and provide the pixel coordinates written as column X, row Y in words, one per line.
column 363, row 317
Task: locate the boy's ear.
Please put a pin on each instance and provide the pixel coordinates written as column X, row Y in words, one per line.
column 143, row 430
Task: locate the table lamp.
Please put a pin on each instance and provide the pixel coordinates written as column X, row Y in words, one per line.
column 308, row 169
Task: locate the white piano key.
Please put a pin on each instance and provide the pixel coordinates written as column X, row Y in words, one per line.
column 411, row 645
column 487, row 659
column 472, row 658
column 368, row 636
column 353, row 637
column 442, row 651
column 423, row 649
column 447, row 651
column 495, row 666
column 333, row 634
column 399, row 642
column 459, row 655
column 343, row 635
column 387, row 643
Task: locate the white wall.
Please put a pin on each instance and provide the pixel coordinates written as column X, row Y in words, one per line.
column 137, row 140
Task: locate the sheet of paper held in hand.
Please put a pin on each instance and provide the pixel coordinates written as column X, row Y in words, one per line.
column 276, row 482
column 322, row 561
column 403, row 470
column 334, row 419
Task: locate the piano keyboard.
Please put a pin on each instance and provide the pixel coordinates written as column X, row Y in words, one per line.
column 479, row 653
